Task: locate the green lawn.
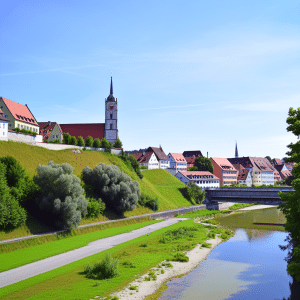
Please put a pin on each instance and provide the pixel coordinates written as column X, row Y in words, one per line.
column 68, row 282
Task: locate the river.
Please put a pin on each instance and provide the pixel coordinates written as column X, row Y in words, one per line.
column 250, row 265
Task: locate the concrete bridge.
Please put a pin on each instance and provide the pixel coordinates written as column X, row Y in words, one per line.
column 262, row 195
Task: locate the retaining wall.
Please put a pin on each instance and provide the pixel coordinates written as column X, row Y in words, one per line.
column 24, row 138
column 51, row 146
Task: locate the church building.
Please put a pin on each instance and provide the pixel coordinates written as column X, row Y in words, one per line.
column 107, row 130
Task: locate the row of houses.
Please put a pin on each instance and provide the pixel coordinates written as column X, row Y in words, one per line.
column 239, row 170
column 15, row 115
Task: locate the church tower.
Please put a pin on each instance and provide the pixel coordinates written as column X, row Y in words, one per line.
column 236, row 151
column 111, row 116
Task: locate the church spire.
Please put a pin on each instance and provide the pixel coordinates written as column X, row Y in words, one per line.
column 236, row 151
column 111, row 86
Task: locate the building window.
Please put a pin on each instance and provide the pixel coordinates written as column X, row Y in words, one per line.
column 111, row 116
column 6, row 116
column 111, row 126
column 21, row 126
column 57, row 136
column 9, row 125
column 53, row 136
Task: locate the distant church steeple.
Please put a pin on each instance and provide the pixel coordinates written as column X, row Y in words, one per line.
column 111, row 86
column 236, row 151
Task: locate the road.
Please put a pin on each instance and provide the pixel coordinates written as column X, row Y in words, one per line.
column 51, row 263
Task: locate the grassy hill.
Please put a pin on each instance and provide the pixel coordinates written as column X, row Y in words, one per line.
column 156, row 183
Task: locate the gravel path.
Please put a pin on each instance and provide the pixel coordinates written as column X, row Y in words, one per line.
column 51, row 263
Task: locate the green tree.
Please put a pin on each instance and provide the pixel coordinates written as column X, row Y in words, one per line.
column 291, row 199
column 195, row 192
column 192, row 169
column 60, row 202
column 96, row 143
column 80, row 141
column 135, row 165
column 89, row 141
column 12, row 214
column 66, row 138
column 114, row 187
column 73, row 140
column 204, row 164
column 118, row 144
column 269, row 158
column 106, row 145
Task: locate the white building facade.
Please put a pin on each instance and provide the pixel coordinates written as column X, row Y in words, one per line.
column 202, row 179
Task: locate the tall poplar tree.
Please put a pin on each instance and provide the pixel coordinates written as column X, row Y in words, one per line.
column 291, row 205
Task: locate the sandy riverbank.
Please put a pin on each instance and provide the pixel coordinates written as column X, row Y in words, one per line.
column 145, row 288
column 257, row 207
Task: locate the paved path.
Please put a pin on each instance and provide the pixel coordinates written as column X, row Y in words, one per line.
column 51, row 263
column 161, row 214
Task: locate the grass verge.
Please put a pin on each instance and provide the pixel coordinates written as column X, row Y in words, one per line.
column 240, row 205
column 68, row 282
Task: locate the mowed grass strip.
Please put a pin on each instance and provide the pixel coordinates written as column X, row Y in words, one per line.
column 68, row 282
column 50, row 248
column 203, row 213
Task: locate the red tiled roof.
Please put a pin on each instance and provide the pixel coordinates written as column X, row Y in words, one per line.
column 285, row 173
column 160, row 154
column 20, row 112
column 198, row 173
column 178, row 157
column 46, row 129
column 276, row 161
column 190, row 160
column 223, row 163
column 95, row 130
column 137, row 155
column 243, row 174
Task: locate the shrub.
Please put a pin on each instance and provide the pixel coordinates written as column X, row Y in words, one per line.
column 96, row 143
column 89, row 141
column 80, row 141
column 66, row 138
column 149, row 202
column 128, row 264
column 107, row 268
column 95, row 208
column 60, row 201
column 179, row 233
column 206, row 245
column 111, row 185
column 73, row 140
column 118, row 144
column 180, row 256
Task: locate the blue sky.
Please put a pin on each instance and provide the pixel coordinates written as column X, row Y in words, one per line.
column 188, row 75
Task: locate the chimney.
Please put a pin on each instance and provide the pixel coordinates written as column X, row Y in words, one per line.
column 49, row 123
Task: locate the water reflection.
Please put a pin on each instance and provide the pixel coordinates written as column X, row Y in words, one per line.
column 250, row 265
column 249, row 219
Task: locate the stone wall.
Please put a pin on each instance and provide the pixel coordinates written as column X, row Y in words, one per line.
column 24, row 138
column 63, row 147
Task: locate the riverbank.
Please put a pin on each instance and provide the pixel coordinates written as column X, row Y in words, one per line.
column 140, row 288
column 262, row 206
